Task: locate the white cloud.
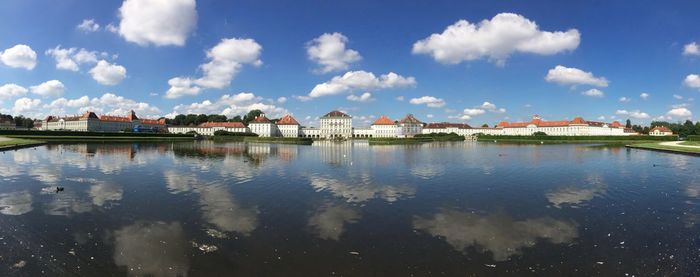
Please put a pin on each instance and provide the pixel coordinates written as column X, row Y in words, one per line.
column 692, row 81
column 52, row 88
column 9, row 91
column 111, row 28
column 330, row 53
column 636, row 114
column 492, row 107
column 430, row 101
column 495, row 39
column 365, row 97
column 473, row 112
column 108, row 103
column 593, row 93
column 624, row 99
column 574, row 76
column 25, row 105
column 644, row 95
column 71, row 58
column 108, row 74
column 429, row 116
column 88, row 26
column 691, row 49
column 157, row 22
column 19, row 56
column 282, row 100
column 360, row 80
column 602, row 117
column 400, row 98
column 226, row 60
column 679, row 112
column 230, row 105
column 678, row 97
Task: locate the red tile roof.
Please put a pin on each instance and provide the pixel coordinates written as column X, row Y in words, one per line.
column 112, row 118
column 153, row 121
column 661, row 129
column 615, row 124
column 261, row 119
column 560, row 123
column 410, row 119
column 383, row 120
column 578, row 120
column 221, row 124
column 287, row 120
column 336, row 114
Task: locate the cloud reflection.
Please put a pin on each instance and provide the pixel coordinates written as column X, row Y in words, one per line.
column 575, row 196
column 152, row 249
column 362, row 190
column 15, row 203
column 329, row 220
column 497, row 233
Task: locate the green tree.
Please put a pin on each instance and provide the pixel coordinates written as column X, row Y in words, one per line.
column 251, row 115
column 236, row 119
column 484, row 125
column 628, row 123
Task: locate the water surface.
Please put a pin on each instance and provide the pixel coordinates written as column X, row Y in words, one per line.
column 348, row 209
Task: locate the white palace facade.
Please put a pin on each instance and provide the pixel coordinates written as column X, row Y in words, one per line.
column 339, row 125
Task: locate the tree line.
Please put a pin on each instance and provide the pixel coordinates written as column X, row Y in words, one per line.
column 196, row 119
column 20, row 121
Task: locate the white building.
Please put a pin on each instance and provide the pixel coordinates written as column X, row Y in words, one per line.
column 90, row 122
column 447, row 128
column 7, row 124
column 336, row 124
column 263, row 127
column 660, row 131
column 384, row 127
column 209, row 128
column 310, row 132
column 289, row 127
column 362, row 132
column 409, row 126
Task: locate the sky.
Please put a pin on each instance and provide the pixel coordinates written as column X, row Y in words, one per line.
column 478, row 62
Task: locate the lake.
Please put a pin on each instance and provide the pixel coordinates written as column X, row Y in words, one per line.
column 348, row 209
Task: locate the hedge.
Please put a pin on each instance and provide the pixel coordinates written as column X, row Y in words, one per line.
column 91, row 134
column 582, row 138
column 234, row 134
column 693, row 138
column 282, row 140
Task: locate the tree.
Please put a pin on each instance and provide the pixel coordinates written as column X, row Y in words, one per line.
column 179, row 119
column 628, row 124
column 236, row 119
column 538, row 134
column 216, row 118
column 251, row 115
column 485, row 125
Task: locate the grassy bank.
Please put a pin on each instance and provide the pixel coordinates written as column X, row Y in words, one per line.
column 417, row 139
column 91, row 136
column 305, row 141
column 666, row 148
column 14, row 143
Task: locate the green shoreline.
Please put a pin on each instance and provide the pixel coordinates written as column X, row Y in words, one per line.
column 664, row 148
column 15, row 143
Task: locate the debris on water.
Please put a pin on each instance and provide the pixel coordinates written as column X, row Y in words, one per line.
column 490, row 265
column 20, row 264
column 72, row 252
column 622, row 243
column 216, row 234
column 600, row 262
column 205, row 247
column 354, row 253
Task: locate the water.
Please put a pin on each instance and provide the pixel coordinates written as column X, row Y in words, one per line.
column 348, row 209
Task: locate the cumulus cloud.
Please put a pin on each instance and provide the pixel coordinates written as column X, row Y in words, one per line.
column 624, row 99
column 360, row 80
column 593, row 93
column 691, row 49
column 679, row 112
column 9, row 91
column 473, row 112
column 282, row 100
column 88, row 26
column 430, row 101
column 574, row 76
column 644, row 95
column 400, row 98
column 19, row 56
column 636, row 114
column 157, row 22
column 72, row 58
column 25, row 105
column 492, row 107
column 365, row 97
column 692, row 81
column 108, row 103
column 226, row 60
column 330, row 53
column 108, row 74
column 230, row 105
column 52, row 88
column 678, row 97
column 495, row 39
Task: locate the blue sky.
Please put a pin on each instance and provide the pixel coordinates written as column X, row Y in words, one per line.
column 440, row 60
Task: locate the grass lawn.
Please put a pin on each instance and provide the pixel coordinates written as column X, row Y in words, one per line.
column 657, row 146
column 693, row 143
column 12, row 142
column 100, row 138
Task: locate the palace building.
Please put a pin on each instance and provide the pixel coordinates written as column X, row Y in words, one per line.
column 90, row 122
column 336, row 124
column 7, row 124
